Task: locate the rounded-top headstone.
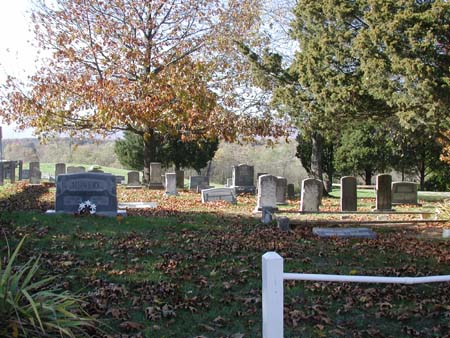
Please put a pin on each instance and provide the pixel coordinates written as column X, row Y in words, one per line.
column 311, row 194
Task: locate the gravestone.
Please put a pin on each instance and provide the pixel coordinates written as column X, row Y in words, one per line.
column 98, row 188
column 20, row 170
column 1, row 173
column 171, row 184
column 119, row 179
column 404, row 193
column 75, row 169
column 311, row 195
column 35, row 173
column 12, row 171
column 242, row 179
column 283, row 223
column 180, row 178
column 348, row 193
column 281, row 190
column 35, row 176
column 219, row 194
column 155, row 176
column 197, row 183
column 26, row 174
column 290, row 191
column 133, row 179
column 383, row 192
column 60, row 169
column 345, row 232
column 267, row 192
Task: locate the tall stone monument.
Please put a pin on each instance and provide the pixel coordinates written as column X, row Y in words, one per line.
column 348, row 193
column 243, row 179
column 383, row 192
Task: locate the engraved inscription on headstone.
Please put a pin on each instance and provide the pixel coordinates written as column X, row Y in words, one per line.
column 99, row 188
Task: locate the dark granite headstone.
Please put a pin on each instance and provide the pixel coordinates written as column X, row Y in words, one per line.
column 281, row 190
column 348, row 193
column 290, row 191
column 243, row 178
column 99, row 188
column 180, row 178
column 384, row 192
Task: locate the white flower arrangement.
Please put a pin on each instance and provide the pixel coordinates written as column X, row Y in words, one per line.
column 87, row 207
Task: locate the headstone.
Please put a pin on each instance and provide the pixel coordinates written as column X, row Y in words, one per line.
column 243, row 179
column 283, row 223
column 35, row 176
column 119, row 179
column 60, row 169
column 311, row 194
column 98, row 188
column 267, row 192
column 290, row 191
column 348, row 193
column 1, row 173
column 198, row 183
column 383, row 192
column 75, row 169
column 133, row 179
column 267, row 215
column 35, row 173
column 171, row 184
column 180, row 178
column 20, row 170
column 12, row 171
column 345, row 232
column 155, row 176
column 218, row 194
column 404, row 193
column 26, row 174
column 281, row 190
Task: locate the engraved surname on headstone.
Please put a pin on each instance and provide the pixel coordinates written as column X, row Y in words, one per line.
column 60, row 169
column 404, row 193
column 99, row 188
column 171, row 184
column 383, row 192
column 348, row 193
column 267, row 192
column 180, row 178
column 243, row 178
column 290, row 191
column 345, row 232
column 218, row 194
column 198, row 183
column 311, row 194
column 281, row 190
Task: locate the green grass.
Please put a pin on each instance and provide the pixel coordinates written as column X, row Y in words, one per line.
column 190, row 274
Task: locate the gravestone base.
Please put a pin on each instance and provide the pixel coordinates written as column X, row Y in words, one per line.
column 122, row 213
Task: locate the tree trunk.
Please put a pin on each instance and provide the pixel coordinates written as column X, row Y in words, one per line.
column 149, row 153
column 368, row 176
column 316, row 159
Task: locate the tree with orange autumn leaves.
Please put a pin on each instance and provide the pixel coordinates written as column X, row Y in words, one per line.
column 145, row 66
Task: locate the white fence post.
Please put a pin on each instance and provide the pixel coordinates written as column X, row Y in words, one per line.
column 272, row 295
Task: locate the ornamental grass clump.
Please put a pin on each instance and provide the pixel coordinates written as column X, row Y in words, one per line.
column 32, row 307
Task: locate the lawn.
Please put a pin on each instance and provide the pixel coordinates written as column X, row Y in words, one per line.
column 185, row 269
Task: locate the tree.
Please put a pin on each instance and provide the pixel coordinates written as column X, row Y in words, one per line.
column 148, row 67
column 170, row 150
column 363, row 150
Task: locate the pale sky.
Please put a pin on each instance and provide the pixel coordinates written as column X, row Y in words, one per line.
column 17, row 55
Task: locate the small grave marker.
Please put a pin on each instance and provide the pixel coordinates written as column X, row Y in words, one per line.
column 345, row 232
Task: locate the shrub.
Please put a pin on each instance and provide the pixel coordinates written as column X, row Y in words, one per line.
column 31, row 307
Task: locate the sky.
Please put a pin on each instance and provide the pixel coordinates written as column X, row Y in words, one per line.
column 16, row 52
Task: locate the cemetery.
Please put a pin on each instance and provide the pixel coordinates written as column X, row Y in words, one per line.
column 225, row 169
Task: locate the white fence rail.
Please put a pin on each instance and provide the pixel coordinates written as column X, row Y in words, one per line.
column 273, row 277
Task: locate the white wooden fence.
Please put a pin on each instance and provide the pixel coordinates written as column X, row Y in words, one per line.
column 272, row 288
